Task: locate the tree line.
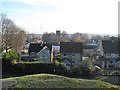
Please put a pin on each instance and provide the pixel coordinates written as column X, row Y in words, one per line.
column 75, row 37
column 64, row 37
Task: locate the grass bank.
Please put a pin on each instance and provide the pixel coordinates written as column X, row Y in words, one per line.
column 55, row 81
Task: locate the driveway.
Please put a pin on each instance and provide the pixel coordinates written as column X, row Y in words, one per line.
column 7, row 83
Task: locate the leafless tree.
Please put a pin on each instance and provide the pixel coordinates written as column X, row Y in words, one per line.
column 18, row 40
column 12, row 36
column 79, row 37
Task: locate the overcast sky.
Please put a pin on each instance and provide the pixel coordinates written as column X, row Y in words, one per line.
column 84, row 16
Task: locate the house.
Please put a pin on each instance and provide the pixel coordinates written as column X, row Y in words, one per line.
column 26, row 46
column 89, row 49
column 38, row 50
column 71, row 53
column 111, row 54
column 56, row 49
column 44, row 55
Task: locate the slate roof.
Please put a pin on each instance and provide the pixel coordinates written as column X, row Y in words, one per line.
column 71, row 47
column 36, row 47
column 111, row 46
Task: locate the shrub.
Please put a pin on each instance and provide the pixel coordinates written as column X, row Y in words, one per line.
column 115, row 73
column 58, row 57
column 83, row 70
column 56, row 62
column 86, row 68
column 11, row 55
column 75, row 71
column 8, row 59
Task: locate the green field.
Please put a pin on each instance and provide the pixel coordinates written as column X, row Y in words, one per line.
column 55, row 81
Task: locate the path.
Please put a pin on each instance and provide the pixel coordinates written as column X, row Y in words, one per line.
column 7, row 83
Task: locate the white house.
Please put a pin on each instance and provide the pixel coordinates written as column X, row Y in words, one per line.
column 40, row 51
column 44, row 55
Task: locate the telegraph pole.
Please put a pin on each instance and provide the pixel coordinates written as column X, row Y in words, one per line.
column 41, row 28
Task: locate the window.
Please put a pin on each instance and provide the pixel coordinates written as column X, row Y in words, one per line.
column 111, row 61
column 64, row 54
column 68, row 64
column 43, row 56
column 107, row 55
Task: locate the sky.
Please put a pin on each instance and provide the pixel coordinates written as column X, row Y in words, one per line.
column 83, row 16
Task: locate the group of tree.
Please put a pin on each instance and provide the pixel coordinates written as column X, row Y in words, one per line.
column 106, row 37
column 31, row 37
column 75, row 37
column 63, row 37
column 13, row 36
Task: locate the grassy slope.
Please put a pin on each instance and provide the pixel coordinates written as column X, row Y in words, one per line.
column 55, row 81
column 109, row 79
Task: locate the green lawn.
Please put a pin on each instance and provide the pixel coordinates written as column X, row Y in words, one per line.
column 109, row 79
column 55, row 81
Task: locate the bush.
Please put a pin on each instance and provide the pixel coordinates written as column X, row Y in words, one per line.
column 75, row 71
column 115, row 73
column 8, row 59
column 83, row 70
column 58, row 57
column 86, row 68
column 11, row 55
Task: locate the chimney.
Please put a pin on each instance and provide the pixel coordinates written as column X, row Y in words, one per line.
column 58, row 32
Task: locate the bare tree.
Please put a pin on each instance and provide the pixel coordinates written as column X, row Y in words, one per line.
column 0, row 41
column 18, row 40
column 11, row 34
column 46, row 37
column 7, row 27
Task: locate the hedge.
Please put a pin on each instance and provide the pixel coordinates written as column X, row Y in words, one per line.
column 27, row 68
column 35, row 68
